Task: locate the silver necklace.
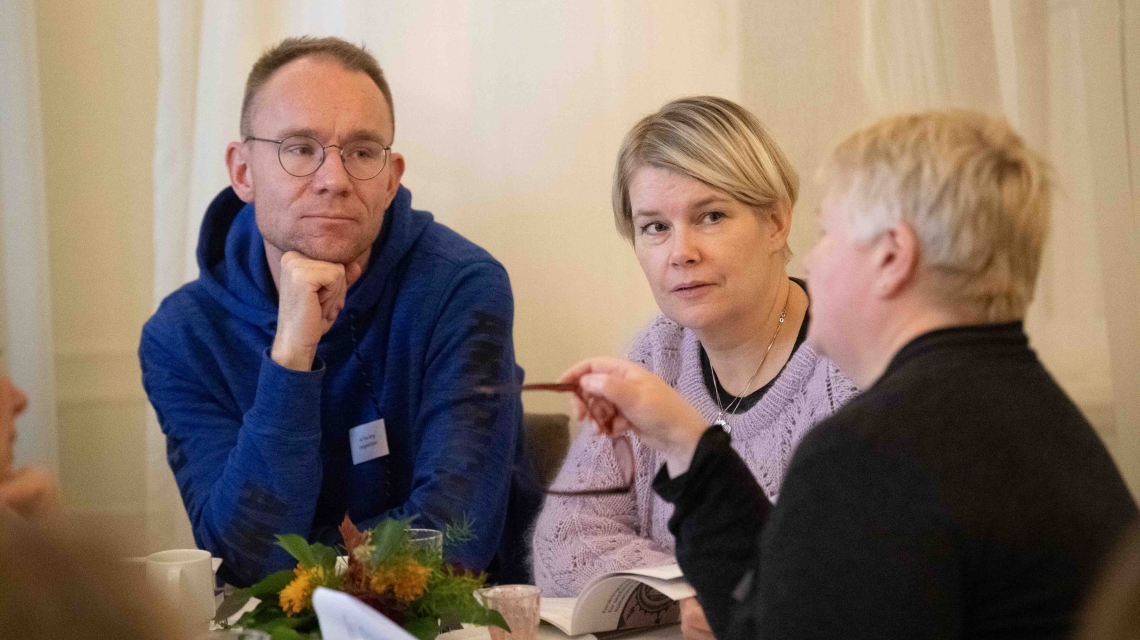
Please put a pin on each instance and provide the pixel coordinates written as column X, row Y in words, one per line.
column 721, row 411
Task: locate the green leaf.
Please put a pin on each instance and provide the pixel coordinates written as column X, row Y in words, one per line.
column 265, row 614
column 387, row 537
column 487, row 618
column 284, row 632
column 456, row 533
column 324, row 556
column 495, row 619
column 297, row 547
column 272, row 584
column 423, row 628
column 302, row 621
column 231, row 605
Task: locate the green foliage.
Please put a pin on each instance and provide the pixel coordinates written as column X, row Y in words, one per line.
column 231, row 605
column 272, row 584
column 325, row 557
column 297, row 547
column 423, row 628
column 457, row 533
column 448, row 595
column 388, row 537
column 267, row 616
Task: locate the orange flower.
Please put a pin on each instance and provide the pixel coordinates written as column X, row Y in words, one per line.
column 298, row 595
column 406, row 579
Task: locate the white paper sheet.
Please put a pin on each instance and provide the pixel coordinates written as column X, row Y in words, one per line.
column 343, row 617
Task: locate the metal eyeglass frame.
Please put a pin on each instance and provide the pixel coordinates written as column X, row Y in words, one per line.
column 324, row 155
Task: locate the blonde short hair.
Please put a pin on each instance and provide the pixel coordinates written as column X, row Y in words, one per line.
column 714, row 141
column 976, row 196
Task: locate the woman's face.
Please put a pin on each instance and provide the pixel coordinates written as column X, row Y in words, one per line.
column 711, row 260
column 12, row 403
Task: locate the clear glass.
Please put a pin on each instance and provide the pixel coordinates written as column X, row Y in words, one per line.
column 427, row 538
column 519, row 604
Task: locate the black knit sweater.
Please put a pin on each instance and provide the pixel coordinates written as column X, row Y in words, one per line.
column 962, row 495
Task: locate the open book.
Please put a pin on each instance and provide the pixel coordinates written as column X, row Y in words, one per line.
column 621, row 600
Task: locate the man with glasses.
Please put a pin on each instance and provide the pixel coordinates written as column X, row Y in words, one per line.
column 340, row 352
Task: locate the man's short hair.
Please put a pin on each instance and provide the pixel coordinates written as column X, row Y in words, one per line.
column 350, row 56
column 976, row 196
column 711, row 140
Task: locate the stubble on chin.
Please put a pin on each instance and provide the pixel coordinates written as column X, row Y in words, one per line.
column 332, row 252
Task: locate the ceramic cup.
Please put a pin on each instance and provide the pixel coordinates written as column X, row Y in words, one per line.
column 185, row 577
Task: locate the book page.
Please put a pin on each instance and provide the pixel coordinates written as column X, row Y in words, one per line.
column 648, row 607
column 558, row 612
column 623, row 599
column 663, row 572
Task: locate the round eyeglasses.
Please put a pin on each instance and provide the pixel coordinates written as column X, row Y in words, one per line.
column 301, row 156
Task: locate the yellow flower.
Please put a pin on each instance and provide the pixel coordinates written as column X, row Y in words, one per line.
column 406, row 579
column 298, row 595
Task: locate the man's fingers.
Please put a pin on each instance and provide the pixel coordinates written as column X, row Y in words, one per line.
column 352, row 272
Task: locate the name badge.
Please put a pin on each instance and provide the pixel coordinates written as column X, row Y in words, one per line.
column 369, row 441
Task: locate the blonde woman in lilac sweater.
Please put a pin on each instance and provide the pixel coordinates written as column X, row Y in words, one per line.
column 705, row 196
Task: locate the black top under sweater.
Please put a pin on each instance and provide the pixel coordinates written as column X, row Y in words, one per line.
column 962, row 496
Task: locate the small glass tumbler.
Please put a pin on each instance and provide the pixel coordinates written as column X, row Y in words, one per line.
column 519, row 604
column 426, row 539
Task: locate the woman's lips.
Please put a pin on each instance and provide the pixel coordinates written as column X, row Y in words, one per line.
column 691, row 289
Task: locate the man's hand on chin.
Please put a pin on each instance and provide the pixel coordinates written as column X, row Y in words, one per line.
column 310, row 296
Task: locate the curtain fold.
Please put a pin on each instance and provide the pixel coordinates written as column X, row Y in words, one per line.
column 23, row 213
column 1109, row 40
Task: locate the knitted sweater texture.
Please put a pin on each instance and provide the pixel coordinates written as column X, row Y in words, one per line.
column 578, row 538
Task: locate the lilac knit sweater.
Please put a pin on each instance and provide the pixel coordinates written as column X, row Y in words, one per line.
column 578, row 538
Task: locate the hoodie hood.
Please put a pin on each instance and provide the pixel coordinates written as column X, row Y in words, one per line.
column 234, row 271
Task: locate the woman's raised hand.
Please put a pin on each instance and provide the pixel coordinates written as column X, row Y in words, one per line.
column 620, row 396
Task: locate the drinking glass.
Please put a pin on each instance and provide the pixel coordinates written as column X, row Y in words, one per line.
column 427, row 539
column 519, row 605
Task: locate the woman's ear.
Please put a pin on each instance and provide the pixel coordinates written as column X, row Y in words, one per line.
column 779, row 227
column 237, row 163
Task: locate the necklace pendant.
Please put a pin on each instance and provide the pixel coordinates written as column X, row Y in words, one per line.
column 723, row 424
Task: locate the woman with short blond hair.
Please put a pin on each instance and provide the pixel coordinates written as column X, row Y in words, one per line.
column 962, row 494
column 705, row 196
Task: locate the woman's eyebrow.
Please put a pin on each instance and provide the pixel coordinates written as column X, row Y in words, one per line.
column 704, row 202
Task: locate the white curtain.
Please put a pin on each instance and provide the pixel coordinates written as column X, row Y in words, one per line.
column 26, row 302
column 510, row 114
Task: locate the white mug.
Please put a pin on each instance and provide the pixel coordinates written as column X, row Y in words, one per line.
column 185, row 577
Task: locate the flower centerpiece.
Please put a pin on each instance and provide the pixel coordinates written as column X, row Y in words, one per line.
column 409, row 583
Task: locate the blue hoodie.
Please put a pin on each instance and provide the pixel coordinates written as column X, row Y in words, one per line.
column 423, row 342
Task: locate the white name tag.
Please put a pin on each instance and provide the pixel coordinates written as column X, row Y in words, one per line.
column 369, row 441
